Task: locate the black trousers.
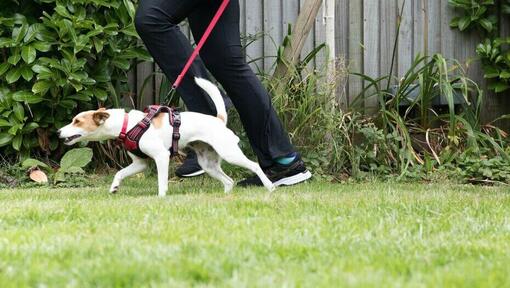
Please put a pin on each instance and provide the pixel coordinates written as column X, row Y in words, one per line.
column 156, row 22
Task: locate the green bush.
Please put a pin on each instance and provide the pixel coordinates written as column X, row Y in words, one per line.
column 59, row 57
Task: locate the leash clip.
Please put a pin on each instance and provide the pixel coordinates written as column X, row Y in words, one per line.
column 170, row 95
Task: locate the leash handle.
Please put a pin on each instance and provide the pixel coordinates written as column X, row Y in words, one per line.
column 206, row 35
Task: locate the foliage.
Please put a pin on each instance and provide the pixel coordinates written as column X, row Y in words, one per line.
column 58, row 57
column 423, row 134
column 70, row 168
column 432, row 117
column 8, row 175
column 409, row 136
column 494, row 52
column 426, row 124
column 479, row 14
column 479, row 168
column 495, row 57
column 429, row 122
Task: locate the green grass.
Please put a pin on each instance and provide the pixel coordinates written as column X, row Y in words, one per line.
column 314, row 235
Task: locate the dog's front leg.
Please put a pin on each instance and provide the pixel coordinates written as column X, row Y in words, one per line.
column 138, row 165
column 162, row 160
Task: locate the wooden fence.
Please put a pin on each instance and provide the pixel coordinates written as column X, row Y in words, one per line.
column 365, row 32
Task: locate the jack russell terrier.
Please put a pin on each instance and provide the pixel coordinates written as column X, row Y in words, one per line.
column 207, row 135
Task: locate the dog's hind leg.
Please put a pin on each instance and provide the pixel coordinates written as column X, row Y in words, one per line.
column 231, row 153
column 138, row 165
column 210, row 161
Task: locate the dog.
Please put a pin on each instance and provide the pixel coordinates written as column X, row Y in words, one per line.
column 207, row 135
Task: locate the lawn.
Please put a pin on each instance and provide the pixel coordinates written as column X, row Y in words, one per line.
column 314, row 235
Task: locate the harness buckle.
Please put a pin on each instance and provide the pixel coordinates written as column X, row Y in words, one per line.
column 177, row 118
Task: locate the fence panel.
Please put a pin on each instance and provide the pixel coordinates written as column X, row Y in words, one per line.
column 365, row 38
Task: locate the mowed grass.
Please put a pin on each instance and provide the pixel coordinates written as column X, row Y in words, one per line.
column 313, row 235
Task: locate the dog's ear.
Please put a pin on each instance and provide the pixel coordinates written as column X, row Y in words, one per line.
column 102, row 109
column 100, row 116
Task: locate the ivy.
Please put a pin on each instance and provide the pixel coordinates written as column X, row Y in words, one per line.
column 494, row 52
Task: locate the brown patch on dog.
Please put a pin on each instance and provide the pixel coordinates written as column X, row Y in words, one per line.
column 158, row 120
column 100, row 117
column 221, row 118
column 85, row 121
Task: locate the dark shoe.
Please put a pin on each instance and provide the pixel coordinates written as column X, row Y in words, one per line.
column 190, row 167
column 282, row 175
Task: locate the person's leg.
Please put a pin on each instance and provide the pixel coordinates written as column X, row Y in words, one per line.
column 157, row 22
column 223, row 56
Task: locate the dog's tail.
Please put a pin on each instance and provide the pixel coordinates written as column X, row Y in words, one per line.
column 216, row 97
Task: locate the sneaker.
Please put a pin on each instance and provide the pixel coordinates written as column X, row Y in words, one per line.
column 190, row 167
column 282, row 175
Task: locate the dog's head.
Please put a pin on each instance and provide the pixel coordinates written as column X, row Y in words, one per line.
column 86, row 126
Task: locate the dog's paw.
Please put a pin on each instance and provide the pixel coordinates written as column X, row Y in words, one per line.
column 228, row 188
column 114, row 189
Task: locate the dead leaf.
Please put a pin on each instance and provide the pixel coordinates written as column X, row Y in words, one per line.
column 38, row 176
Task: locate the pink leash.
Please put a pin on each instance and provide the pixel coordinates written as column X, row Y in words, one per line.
column 206, row 35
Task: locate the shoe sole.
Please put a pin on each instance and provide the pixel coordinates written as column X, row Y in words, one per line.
column 194, row 174
column 293, row 180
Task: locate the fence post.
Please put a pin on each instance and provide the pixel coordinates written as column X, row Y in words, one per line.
column 330, row 22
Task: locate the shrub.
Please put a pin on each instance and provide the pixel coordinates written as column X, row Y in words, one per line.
column 58, row 57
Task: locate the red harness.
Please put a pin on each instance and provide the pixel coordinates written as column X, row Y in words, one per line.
column 130, row 139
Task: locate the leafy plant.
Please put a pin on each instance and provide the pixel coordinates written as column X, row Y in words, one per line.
column 71, row 165
column 60, row 56
column 429, row 78
column 496, row 62
column 494, row 52
column 477, row 14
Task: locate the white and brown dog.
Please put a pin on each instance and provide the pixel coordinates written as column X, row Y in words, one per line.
column 208, row 136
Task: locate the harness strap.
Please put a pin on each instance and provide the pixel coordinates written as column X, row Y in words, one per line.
column 131, row 138
column 123, row 131
column 174, row 150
